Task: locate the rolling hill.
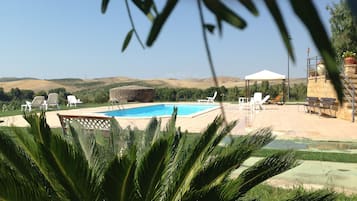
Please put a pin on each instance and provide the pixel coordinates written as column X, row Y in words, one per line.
column 75, row 84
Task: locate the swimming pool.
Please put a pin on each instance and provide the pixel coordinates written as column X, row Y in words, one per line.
column 162, row 110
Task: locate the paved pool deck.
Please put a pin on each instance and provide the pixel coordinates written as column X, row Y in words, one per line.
column 312, row 175
column 287, row 121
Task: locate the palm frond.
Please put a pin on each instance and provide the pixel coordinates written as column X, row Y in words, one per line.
column 26, row 157
column 33, row 152
column 218, row 138
column 115, row 132
column 16, row 156
column 151, row 168
column 177, row 155
column 119, row 180
column 193, row 161
column 158, row 132
column 127, row 140
column 71, row 169
column 221, row 166
column 86, row 145
column 15, row 187
column 257, row 138
column 207, row 194
column 258, row 173
column 39, row 127
column 171, row 124
column 150, row 132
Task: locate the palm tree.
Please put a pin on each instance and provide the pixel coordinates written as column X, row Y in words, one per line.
column 39, row 164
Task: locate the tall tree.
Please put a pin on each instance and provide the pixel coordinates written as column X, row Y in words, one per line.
column 343, row 27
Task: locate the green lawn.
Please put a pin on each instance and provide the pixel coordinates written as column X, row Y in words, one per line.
column 265, row 192
column 62, row 107
column 314, row 155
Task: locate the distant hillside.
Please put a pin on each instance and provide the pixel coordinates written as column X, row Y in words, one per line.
column 31, row 84
column 75, row 84
column 9, row 79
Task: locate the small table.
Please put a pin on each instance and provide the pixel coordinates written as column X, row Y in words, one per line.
column 24, row 107
column 242, row 100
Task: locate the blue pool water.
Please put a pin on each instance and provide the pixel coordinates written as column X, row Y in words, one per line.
column 161, row 110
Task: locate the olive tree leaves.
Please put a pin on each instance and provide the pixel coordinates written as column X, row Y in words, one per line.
column 304, row 10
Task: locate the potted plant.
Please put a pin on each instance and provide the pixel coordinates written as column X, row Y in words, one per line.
column 321, row 70
column 349, row 57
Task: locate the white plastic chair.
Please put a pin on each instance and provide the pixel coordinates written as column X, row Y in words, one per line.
column 257, row 98
column 52, row 101
column 38, row 101
column 209, row 99
column 260, row 103
column 72, row 101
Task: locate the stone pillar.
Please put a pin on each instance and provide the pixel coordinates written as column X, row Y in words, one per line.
column 350, row 69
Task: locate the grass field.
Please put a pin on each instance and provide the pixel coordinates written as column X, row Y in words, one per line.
column 265, row 192
column 63, row 107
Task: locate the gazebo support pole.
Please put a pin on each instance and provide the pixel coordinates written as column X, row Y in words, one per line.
column 246, row 86
column 248, row 90
column 283, row 83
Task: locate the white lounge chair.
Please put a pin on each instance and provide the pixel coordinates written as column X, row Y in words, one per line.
column 72, row 101
column 209, row 99
column 52, row 101
column 258, row 101
column 38, row 101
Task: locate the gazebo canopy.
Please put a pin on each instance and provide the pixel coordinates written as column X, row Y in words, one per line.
column 265, row 75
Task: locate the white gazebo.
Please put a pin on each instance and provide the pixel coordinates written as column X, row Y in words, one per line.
column 263, row 75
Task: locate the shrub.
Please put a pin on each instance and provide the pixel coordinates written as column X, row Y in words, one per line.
column 38, row 164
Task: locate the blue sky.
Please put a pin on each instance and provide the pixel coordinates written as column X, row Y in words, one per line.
column 71, row 39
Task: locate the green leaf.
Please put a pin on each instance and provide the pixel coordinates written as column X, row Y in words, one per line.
column 219, row 25
column 160, row 20
column 15, row 187
column 20, row 161
column 151, row 168
column 259, row 172
column 119, row 183
column 250, row 6
column 150, row 132
column 210, row 28
column 279, row 20
column 233, row 156
column 127, row 40
column 309, row 16
column 224, row 13
column 104, row 5
column 208, row 194
column 71, row 169
column 170, row 125
column 144, row 6
column 85, row 144
column 193, row 162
